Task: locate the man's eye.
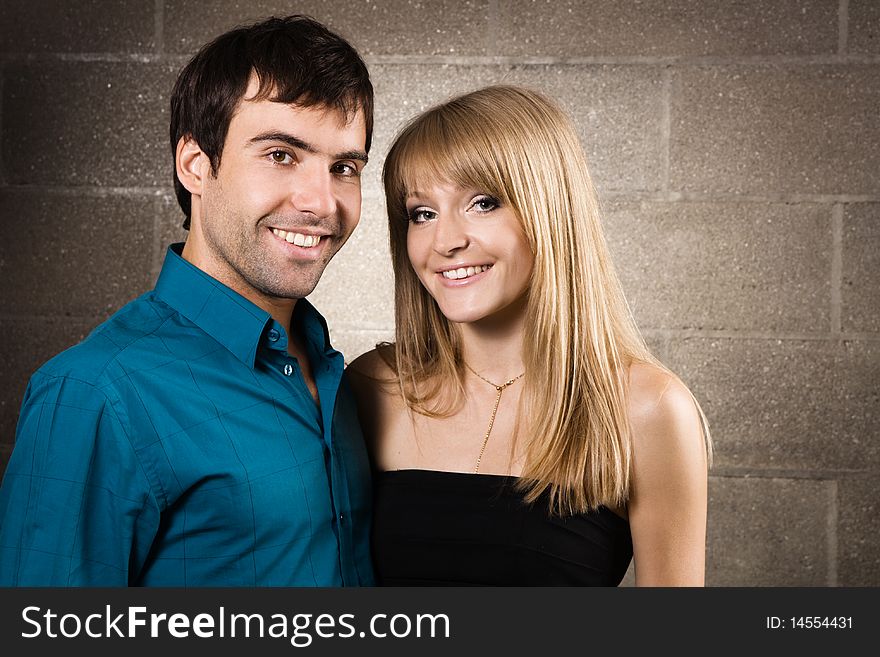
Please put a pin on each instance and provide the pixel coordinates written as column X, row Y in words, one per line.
column 345, row 169
column 280, row 157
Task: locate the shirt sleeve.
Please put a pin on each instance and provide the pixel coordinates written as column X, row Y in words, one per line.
column 76, row 507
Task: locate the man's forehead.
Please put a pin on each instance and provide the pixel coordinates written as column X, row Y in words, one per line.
column 255, row 93
column 253, row 99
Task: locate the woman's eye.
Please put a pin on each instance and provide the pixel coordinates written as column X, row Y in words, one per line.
column 484, row 204
column 421, row 215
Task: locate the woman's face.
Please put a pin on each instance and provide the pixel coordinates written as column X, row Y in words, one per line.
column 468, row 251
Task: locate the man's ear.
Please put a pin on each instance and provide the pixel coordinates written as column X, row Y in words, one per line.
column 192, row 165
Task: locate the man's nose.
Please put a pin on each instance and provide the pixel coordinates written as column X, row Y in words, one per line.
column 313, row 190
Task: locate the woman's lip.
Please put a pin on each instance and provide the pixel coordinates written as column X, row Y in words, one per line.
column 464, row 266
column 460, row 282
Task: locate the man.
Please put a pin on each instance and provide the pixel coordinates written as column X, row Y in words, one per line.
column 201, row 435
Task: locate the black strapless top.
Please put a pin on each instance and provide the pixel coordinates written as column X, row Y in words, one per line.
column 435, row 528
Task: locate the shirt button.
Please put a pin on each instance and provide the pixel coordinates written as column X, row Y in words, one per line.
column 273, row 335
column 341, row 518
column 288, row 369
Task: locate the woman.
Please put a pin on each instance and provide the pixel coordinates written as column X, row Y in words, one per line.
column 521, row 432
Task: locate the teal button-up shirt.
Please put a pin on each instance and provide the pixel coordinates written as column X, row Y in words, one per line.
column 178, row 445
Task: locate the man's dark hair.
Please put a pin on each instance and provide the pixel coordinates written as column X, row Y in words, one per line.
column 296, row 60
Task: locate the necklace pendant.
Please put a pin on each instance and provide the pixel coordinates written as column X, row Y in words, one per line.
column 499, row 389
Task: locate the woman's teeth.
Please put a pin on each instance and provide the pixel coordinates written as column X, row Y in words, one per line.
column 299, row 239
column 464, row 272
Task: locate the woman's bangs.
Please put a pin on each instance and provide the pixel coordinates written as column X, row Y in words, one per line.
column 435, row 153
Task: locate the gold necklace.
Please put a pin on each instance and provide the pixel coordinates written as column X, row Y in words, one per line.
column 500, row 389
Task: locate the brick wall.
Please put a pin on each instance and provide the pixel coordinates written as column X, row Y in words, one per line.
column 736, row 147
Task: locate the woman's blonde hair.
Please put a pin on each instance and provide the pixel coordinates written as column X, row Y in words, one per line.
column 580, row 337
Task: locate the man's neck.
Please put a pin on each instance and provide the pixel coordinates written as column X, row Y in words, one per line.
column 281, row 310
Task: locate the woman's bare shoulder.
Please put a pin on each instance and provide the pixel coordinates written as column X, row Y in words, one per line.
column 668, row 499
column 375, row 388
column 374, row 382
column 374, row 365
column 662, row 411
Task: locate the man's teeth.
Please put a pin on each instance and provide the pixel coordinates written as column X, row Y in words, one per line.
column 297, row 238
column 464, row 272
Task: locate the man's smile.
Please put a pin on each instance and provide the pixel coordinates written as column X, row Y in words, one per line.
column 299, row 239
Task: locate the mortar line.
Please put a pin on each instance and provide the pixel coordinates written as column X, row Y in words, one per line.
column 90, row 190
column 718, row 334
column 86, row 57
column 343, row 329
column 156, row 260
column 728, row 197
column 493, row 16
column 763, row 61
column 361, row 328
column 836, row 269
column 666, row 130
column 666, row 345
column 831, row 538
column 2, row 163
column 30, row 319
column 159, row 27
column 832, row 475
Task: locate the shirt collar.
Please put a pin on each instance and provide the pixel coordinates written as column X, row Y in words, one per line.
column 225, row 315
column 312, row 325
column 222, row 313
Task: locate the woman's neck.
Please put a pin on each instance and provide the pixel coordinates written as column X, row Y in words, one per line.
column 493, row 347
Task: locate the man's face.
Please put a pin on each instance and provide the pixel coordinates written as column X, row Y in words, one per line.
column 286, row 197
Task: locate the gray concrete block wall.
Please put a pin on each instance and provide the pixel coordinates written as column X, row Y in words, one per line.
column 793, row 129
column 735, row 147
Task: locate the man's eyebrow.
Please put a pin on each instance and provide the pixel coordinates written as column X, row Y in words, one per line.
column 289, row 139
column 303, row 145
column 352, row 155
